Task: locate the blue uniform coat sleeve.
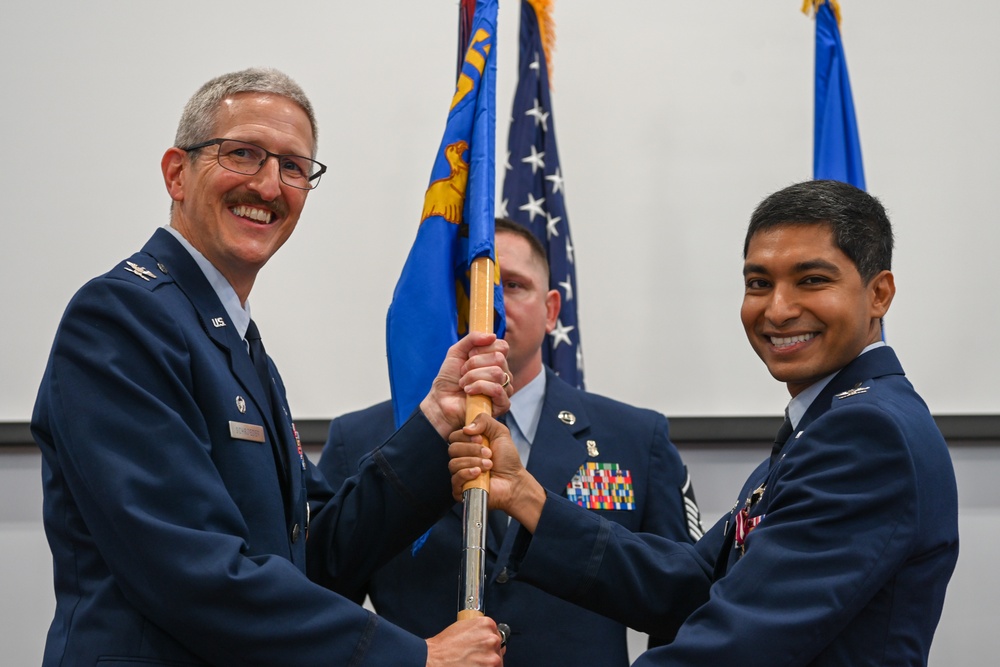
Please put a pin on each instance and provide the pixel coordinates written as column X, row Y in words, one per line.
column 417, row 588
column 645, row 581
column 170, row 538
column 848, row 565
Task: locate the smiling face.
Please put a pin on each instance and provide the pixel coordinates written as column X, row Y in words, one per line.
column 806, row 310
column 236, row 221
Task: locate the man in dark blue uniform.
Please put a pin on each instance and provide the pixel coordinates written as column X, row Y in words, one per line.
column 570, row 440
column 840, row 546
column 182, row 515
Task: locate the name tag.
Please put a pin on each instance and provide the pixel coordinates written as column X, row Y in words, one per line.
column 251, row 432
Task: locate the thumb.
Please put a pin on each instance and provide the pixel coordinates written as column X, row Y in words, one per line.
column 486, row 426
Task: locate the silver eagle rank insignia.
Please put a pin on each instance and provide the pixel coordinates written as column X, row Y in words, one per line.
column 140, row 271
column 853, row 391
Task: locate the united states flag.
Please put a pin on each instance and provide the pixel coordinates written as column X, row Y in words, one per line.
column 533, row 189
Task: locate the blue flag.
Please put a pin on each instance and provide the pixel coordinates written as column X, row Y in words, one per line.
column 836, row 146
column 429, row 310
column 533, row 186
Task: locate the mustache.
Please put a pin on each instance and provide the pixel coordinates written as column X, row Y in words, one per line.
column 278, row 206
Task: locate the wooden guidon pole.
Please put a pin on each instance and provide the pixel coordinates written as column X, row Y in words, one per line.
column 475, row 493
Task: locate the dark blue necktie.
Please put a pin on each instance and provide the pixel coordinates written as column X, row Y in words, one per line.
column 781, row 437
column 259, row 358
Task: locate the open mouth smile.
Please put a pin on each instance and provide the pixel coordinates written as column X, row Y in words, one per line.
column 254, row 214
column 780, row 342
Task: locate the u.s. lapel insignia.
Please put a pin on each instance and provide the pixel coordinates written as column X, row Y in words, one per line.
column 218, row 322
column 592, row 448
column 140, row 271
column 853, row 391
column 567, row 417
column 241, row 404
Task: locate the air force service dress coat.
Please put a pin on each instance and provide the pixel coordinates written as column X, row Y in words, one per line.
column 855, row 540
column 177, row 503
column 418, row 589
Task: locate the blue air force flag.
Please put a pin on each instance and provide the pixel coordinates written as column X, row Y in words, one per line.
column 836, row 146
column 429, row 310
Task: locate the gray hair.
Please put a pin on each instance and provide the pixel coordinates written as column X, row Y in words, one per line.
column 198, row 120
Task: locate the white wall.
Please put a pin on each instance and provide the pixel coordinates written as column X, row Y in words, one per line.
column 674, row 120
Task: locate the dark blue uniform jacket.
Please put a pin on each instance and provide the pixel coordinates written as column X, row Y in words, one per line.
column 176, row 537
column 418, row 589
column 848, row 565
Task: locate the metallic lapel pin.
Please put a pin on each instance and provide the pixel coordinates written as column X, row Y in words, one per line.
column 857, row 389
column 567, row 417
column 592, row 448
column 140, row 271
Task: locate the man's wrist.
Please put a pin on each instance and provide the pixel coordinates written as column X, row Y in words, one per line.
column 530, row 500
column 435, row 415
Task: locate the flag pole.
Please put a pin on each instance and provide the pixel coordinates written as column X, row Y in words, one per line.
column 478, row 210
column 475, row 493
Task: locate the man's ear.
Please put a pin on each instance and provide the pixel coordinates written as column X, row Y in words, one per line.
column 882, row 289
column 175, row 164
column 553, row 303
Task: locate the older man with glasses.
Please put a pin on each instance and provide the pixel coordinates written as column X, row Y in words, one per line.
column 186, row 525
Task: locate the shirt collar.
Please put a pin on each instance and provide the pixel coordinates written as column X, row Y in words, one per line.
column 238, row 315
column 526, row 405
column 798, row 405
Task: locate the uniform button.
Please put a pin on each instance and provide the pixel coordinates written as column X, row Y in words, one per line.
column 503, row 577
column 295, row 533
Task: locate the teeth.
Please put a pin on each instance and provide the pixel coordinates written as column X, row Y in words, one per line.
column 784, row 342
column 255, row 214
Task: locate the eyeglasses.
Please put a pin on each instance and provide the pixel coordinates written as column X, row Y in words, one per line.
column 246, row 158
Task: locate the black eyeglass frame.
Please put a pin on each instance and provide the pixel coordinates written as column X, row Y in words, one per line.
column 267, row 154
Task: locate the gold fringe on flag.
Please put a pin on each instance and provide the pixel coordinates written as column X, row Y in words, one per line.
column 547, row 28
column 814, row 6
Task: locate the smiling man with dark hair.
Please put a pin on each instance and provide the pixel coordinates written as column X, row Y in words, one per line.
column 840, row 546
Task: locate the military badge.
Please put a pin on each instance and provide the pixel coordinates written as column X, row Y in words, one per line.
column 567, row 417
column 140, row 271
column 602, row 486
column 298, row 446
column 744, row 522
column 853, row 391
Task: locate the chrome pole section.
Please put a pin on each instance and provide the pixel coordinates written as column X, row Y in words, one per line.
column 473, row 573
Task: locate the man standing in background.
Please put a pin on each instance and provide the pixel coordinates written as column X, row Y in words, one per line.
column 573, row 442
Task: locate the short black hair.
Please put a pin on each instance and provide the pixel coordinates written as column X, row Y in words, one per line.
column 860, row 225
